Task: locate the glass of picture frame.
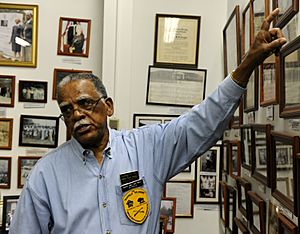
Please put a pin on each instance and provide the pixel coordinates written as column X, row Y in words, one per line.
column 257, row 214
column 243, row 186
column 291, row 29
column 246, row 146
column 33, row 91
column 25, row 165
column 284, row 148
column 168, row 209
column 6, row 132
column 287, row 11
column 241, row 227
column 232, row 228
column 5, row 172
column 289, row 103
column 285, row 225
column 9, row 206
column 261, row 153
column 223, row 204
column 234, row 158
column 7, row 91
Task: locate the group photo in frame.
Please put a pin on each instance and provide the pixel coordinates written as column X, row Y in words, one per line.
column 39, row 131
column 6, row 132
column 175, row 86
column 5, row 172
column 176, row 42
column 74, row 37
column 33, row 91
column 7, row 91
column 168, row 209
column 25, row 165
column 18, row 41
column 9, row 207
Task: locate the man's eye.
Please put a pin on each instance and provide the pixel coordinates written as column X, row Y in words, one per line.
column 85, row 103
column 66, row 109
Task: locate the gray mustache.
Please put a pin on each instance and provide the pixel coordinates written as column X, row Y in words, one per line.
column 81, row 122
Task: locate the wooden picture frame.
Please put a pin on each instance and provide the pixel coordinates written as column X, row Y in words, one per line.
column 251, row 94
column 232, row 228
column 289, row 104
column 168, row 209
column 25, row 165
column 272, row 218
column 39, row 131
column 9, row 206
column 259, row 10
column 241, row 227
column 59, row 74
column 5, row 172
column 183, row 191
column 261, row 144
column 285, row 225
column 246, row 146
column 234, row 158
column 246, row 29
column 257, row 207
column 243, row 186
column 284, row 146
column 223, row 204
column 33, row 91
column 18, row 45
column 74, row 37
column 207, row 176
column 7, row 91
column 6, row 133
column 287, row 12
column 176, row 42
column 140, row 120
column 175, row 86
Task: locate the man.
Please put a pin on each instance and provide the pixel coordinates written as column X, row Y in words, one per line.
column 107, row 181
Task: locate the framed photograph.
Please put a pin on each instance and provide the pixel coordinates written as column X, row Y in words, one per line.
column 140, row 120
column 289, row 103
column 176, row 42
column 243, row 186
column 25, row 164
column 6, row 131
column 272, row 218
column 33, row 91
column 5, row 172
column 175, row 86
column 59, row 74
column 231, row 209
column 9, row 206
column 225, row 157
column 7, row 90
column 163, row 221
column 241, row 227
column 257, row 214
column 234, row 159
column 224, row 200
column 183, row 191
column 284, row 149
column 168, row 209
column 251, row 93
column 246, row 146
column 262, row 153
column 207, row 176
column 18, row 42
column 285, row 225
column 38, row 131
column 287, row 11
column 74, row 37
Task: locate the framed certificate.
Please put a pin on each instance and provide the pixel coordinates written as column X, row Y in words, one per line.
column 176, row 40
column 175, row 86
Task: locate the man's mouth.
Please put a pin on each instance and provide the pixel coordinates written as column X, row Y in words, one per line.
column 82, row 128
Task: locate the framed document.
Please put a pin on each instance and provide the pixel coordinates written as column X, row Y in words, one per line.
column 18, row 40
column 176, row 40
column 25, row 164
column 257, row 208
column 289, row 103
column 6, row 132
column 183, row 191
column 175, row 87
column 287, row 11
column 5, row 176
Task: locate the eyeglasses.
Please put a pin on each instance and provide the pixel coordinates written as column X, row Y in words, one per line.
column 84, row 105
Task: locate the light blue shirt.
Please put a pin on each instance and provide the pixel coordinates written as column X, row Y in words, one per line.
column 68, row 192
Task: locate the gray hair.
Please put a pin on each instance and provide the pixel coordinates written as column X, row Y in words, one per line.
column 82, row 76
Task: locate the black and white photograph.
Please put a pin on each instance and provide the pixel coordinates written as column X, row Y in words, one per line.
column 207, row 186
column 9, row 206
column 25, row 164
column 282, row 156
column 38, row 131
column 5, row 172
column 261, row 157
column 7, row 91
column 209, row 161
column 32, row 91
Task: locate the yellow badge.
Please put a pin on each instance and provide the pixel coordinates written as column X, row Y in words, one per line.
column 136, row 205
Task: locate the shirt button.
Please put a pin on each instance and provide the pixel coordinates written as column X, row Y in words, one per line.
column 100, row 177
column 104, row 204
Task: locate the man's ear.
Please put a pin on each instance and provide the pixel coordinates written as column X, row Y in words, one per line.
column 109, row 106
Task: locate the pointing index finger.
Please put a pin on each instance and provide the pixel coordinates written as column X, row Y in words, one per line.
column 266, row 24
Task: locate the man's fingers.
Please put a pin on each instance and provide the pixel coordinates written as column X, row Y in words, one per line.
column 266, row 24
column 276, row 33
column 276, row 44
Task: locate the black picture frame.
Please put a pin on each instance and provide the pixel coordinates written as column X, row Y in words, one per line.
column 9, row 206
column 33, row 91
column 246, row 146
column 243, row 187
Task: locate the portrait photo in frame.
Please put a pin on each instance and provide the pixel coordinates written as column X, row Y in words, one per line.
column 175, row 86
column 257, row 216
column 25, row 164
column 7, row 93
column 74, row 37
column 59, row 74
column 176, row 42
column 168, row 209
column 9, row 206
column 18, row 42
column 6, row 132
column 39, row 131
column 5, row 172
column 33, row 91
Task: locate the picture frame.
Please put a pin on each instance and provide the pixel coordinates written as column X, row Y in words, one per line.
column 175, row 86
column 207, row 176
column 259, row 10
column 6, row 133
column 290, row 30
column 287, row 12
column 246, row 146
column 39, row 131
column 33, row 91
column 241, row 227
column 176, row 42
column 246, row 29
column 25, row 165
column 140, row 120
column 223, row 204
column 289, row 101
column 74, row 37
column 284, row 146
column 243, row 186
column 225, row 158
column 285, row 225
column 59, row 74
column 163, row 221
column 232, row 228
column 251, row 94
column 9, row 206
column 183, row 191
column 272, row 218
column 5, row 175
column 168, row 209
column 18, row 43
column 257, row 216
column 7, row 90
column 234, row 159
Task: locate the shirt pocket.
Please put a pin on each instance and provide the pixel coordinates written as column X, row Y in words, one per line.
column 123, row 218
